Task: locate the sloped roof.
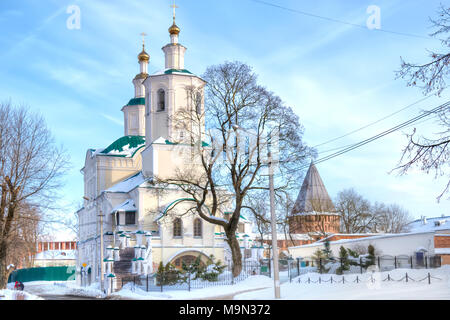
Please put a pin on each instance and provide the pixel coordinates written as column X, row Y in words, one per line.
column 124, row 147
column 128, row 184
column 127, row 206
column 430, row 224
column 313, row 196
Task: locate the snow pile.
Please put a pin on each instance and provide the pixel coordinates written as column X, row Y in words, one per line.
column 62, row 288
column 365, row 289
column 8, row 294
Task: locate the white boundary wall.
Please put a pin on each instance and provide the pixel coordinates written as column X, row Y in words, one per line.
column 392, row 244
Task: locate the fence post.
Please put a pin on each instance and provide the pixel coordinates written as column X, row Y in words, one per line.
column 298, row 267
column 270, row 268
column 320, row 266
column 360, row 264
column 395, row 262
column 289, row 268
column 426, row 262
column 340, row 259
column 407, row 277
column 189, row 281
column 411, row 262
column 429, row 278
column 320, row 280
column 379, row 265
column 357, row 279
column 389, row 277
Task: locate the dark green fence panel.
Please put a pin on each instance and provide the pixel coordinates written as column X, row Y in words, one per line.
column 43, row 274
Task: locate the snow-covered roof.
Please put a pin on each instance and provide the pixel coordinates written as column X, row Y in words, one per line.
column 128, row 184
column 124, row 147
column 430, row 224
column 282, row 236
column 125, row 206
column 361, row 235
column 380, row 236
column 56, row 255
column 442, row 250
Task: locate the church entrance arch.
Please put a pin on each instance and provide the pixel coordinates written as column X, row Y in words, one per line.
column 188, row 257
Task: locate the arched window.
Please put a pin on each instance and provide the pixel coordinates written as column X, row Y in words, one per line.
column 198, row 103
column 198, row 228
column 161, row 100
column 177, row 226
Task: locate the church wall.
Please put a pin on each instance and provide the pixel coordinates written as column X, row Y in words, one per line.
column 134, row 120
column 112, row 170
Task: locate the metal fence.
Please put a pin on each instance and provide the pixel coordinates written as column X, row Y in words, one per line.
column 371, row 279
column 164, row 281
column 359, row 265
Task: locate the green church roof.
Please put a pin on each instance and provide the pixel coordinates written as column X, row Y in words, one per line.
column 170, row 71
column 136, row 101
column 125, row 146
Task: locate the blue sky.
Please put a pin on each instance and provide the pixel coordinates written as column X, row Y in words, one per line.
column 335, row 76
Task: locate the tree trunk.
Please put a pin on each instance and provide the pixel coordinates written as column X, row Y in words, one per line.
column 4, row 273
column 235, row 253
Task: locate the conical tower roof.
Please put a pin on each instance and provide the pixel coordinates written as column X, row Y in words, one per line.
column 313, row 196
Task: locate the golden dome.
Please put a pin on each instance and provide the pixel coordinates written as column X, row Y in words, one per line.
column 174, row 29
column 143, row 56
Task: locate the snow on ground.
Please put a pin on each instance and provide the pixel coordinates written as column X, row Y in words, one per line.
column 251, row 283
column 8, row 294
column 366, row 290
column 42, row 288
column 35, row 289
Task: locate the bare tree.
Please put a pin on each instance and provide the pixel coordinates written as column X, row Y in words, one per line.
column 390, row 218
column 25, row 229
column 30, row 168
column 244, row 120
column 355, row 211
column 430, row 154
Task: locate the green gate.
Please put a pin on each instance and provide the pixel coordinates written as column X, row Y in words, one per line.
column 43, row 274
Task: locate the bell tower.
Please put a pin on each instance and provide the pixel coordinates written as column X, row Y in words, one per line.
column 166, row 93
column 134, row 111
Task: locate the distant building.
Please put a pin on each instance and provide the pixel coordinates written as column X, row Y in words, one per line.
column 55, row 253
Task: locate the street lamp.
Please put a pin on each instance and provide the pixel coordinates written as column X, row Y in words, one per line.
column 276, row 272
column 101, row 245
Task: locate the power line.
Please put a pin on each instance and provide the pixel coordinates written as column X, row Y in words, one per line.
column 382, row 134
column 342, row 147
column 340, row 21
column 372, row 123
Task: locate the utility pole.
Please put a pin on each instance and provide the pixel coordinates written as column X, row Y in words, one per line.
column 276, row 274
column 101, row 252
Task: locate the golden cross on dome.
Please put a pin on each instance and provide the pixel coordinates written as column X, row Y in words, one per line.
column 143, row 34
column 174, row 6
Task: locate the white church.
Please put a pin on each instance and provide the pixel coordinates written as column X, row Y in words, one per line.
column 119, row 188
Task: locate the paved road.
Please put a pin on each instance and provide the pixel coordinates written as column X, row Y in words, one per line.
column 62, row 297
